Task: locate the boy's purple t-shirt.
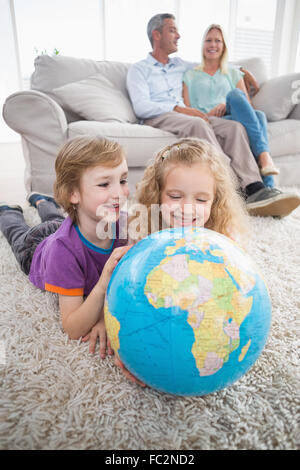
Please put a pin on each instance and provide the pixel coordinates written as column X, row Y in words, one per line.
column 67, row 263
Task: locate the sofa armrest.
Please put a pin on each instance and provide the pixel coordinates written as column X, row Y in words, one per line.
column 43, row 126
column 31, row 113
column 276, row 97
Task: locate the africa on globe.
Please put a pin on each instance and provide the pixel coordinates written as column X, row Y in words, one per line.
column 187, row 311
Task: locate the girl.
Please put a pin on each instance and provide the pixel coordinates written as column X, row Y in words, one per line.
column 193, row 186
column 218, row 90
column 65, row 255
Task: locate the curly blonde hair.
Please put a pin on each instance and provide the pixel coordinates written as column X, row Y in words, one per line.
column 228, row 214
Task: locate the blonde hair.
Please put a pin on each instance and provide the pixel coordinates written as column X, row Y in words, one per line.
column 77, row 155
column 228, row 214
column 224, row 58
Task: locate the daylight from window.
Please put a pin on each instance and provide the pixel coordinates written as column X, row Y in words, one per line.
column 76, row 27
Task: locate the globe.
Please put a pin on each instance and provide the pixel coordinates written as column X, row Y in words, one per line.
column 187, row 311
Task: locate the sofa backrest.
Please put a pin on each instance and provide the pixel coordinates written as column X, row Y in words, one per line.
column 256, row 66
column 52, row 72
column 55, row 71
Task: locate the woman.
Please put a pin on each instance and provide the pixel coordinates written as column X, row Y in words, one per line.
column 218, row 90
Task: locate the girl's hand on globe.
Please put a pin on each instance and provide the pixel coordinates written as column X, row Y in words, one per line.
column 110, row 265
column 128, row 374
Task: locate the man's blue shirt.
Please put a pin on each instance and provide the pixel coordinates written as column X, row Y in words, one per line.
column 155, row 88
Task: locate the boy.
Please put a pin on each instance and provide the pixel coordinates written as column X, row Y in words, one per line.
column 65, row 255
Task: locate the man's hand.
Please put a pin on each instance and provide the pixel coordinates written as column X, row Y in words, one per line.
column 191, row 112
column 250, row 82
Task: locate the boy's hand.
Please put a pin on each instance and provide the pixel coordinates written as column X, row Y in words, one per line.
column 99, row 331
column 126, row 372
column 110, row 265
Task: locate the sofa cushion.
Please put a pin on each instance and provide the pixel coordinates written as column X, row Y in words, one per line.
column 54, row 71
column 275, row 97
column 96, row 98
column 284, row 137
column 138, row 141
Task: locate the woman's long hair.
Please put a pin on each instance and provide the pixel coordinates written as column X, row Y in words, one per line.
column 224, row 58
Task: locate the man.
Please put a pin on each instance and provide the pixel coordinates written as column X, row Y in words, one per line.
column 155, row 89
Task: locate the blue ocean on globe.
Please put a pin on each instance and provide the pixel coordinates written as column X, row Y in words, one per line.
column 187, row 311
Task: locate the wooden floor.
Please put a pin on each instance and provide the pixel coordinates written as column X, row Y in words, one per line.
column 12, row 165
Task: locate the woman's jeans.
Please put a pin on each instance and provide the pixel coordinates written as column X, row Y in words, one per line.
column 24, row 239
column 239, row 109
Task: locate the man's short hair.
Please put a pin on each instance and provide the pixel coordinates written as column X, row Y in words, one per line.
column 156, row 24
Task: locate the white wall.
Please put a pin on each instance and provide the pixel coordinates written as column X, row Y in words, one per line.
column 10, row 79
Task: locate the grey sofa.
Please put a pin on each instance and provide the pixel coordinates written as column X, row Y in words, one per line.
column 71, row 97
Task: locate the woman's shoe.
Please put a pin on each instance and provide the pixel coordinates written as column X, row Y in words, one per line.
column 269, row 170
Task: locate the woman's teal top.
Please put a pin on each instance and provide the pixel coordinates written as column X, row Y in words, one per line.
column 206, row 91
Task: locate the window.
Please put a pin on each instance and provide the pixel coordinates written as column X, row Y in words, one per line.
column 70, row 26
column 194, row 18
column 255, row 23
column 297, row 60
column 10, row 79
column 126, row 27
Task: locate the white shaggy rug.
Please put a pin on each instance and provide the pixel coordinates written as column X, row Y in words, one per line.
column 55, row 395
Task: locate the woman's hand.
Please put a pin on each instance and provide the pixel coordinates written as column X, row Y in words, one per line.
column 99, row 331
column 126, row 372
column 218, row 111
